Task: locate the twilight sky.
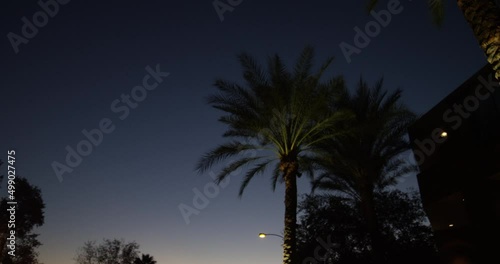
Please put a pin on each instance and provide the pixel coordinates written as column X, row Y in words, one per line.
column 66, row 78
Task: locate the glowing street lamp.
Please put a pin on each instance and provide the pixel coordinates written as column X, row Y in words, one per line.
column 263, row 235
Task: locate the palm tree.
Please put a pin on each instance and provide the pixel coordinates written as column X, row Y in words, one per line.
column 483, row 16
column 368, row 158
column 281, row 116
column 145, row 259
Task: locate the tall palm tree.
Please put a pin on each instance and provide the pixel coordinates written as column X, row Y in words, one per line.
column 483, row 16
column 145, row 259
column 368, row 158
column 278, row 117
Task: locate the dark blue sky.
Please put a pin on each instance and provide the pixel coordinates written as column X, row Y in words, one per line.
column 130, row 186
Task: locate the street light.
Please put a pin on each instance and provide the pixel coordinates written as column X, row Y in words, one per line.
column 263, row 235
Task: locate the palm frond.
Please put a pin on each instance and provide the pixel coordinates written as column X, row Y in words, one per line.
column 303, row 66
column 393, row 171
column 252, row 72
column 257, row 169
column 234, row 166
column 222, row 152
column 333, row 183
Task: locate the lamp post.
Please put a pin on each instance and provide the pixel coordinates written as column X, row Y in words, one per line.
column 263, row 235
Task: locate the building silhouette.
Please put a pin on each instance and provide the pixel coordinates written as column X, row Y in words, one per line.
column 457, row 147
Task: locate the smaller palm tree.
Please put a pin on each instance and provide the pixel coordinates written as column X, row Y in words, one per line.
column 145, row 259
column 369, row 158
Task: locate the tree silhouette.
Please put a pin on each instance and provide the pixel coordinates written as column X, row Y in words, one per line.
column 334, row 224
column 109, row 251
column 29, row 215
column 282, row 114
column 368, row 158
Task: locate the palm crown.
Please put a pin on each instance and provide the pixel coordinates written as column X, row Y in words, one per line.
column 370, row 153
column 281, row 115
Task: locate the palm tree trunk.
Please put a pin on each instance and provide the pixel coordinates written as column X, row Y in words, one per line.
column 289, row 241
column 484, row 18
column 371, row 222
